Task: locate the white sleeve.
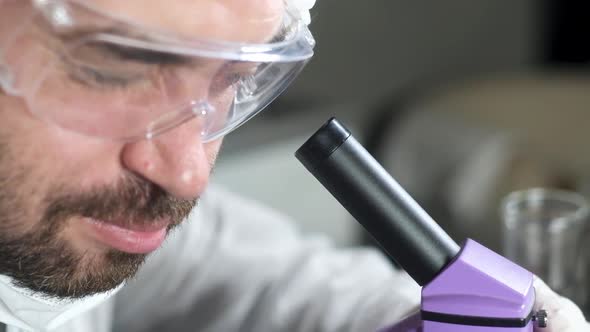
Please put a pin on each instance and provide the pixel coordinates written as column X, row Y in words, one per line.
column 239, row 267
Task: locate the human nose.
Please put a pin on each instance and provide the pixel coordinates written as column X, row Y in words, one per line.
column 178, row 161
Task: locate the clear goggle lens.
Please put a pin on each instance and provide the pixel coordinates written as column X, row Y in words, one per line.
column 116, row 87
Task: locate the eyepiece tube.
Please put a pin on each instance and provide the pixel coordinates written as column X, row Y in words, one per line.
column 404, row 230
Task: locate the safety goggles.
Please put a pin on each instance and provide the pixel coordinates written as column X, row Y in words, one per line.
column 92, row 73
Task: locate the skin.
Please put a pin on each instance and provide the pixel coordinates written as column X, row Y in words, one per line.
column 52, row 178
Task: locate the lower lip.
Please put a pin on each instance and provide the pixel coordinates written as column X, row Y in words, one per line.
column 123, row 239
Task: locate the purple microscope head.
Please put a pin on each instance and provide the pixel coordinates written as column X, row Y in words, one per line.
column 479, row 291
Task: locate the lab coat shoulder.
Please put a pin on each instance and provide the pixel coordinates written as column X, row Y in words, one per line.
column 236, row 265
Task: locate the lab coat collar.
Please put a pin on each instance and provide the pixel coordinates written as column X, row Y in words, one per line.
column 24, row 309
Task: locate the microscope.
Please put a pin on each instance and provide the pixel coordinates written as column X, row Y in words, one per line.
column 464, row 288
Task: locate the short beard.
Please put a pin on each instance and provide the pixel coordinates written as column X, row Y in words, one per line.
column 50, row 268
column 40, row 260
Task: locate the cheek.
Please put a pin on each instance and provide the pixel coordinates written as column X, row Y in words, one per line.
column 52, row 156
column 212, row 150
column 23, row 185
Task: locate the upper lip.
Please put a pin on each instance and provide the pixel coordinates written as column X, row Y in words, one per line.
column 143, row 226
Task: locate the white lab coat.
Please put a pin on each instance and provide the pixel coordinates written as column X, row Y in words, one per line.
column 237, row 266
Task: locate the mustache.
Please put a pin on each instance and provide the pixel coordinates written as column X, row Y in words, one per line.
column 132, row 201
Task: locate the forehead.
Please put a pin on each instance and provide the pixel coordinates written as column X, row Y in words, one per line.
column 230, row 20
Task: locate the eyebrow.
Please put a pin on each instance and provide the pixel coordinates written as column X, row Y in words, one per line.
column 125, row 52
column 143, row 56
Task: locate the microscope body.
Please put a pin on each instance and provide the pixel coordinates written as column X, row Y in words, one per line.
column 480, row 291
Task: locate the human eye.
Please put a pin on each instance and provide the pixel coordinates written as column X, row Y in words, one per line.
column 103, row 78
column 146, row 57
column 108, row 66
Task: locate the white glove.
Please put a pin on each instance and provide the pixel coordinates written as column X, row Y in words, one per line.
column 303, row 6
column 563, row 315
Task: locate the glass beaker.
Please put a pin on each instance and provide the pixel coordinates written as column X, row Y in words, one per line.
column 545, row 231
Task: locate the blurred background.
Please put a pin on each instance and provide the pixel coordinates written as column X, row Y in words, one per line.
column 462, row 101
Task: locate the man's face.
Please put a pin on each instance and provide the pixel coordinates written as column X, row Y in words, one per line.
column 78, row 214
